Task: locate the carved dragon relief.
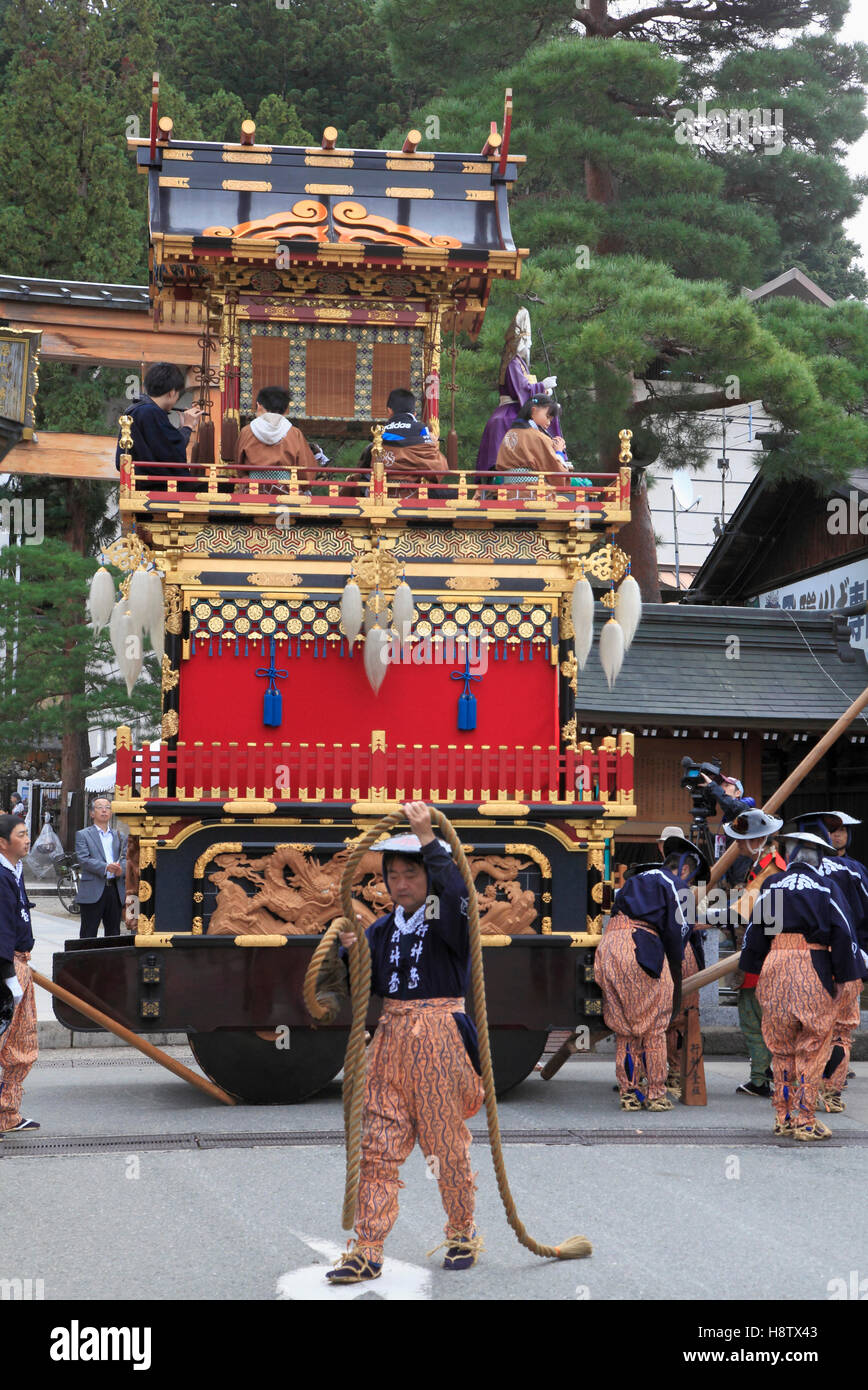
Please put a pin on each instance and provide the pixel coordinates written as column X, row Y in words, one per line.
column 298, row 894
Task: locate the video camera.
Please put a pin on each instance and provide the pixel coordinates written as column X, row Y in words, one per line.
column 691, row 779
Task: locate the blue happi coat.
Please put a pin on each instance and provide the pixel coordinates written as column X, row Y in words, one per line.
column 433, row 960
column 809, row 902
column 16, row 933
column 656, row 898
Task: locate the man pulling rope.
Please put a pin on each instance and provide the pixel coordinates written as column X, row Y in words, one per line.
column 423, row 1073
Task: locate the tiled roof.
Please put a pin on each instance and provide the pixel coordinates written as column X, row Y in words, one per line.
column 728, row 667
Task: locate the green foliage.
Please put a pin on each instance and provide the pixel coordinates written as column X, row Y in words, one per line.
column 56, row 676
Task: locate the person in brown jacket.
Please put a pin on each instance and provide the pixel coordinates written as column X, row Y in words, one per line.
column 270, row 445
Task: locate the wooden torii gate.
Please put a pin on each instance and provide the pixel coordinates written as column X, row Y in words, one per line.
column 103, row 324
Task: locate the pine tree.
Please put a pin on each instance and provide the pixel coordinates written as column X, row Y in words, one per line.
column 626, row 222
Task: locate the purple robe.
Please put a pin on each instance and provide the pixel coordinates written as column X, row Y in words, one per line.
column 520, row 388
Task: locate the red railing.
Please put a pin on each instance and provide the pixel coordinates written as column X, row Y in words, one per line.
column 350, row 772
column 177, row 484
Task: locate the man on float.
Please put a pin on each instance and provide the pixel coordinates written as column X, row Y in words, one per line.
column 422, row 1079
column 851, row 878
column 516, row 386
column 801, row 945
column 752, row 829
column 637, row 964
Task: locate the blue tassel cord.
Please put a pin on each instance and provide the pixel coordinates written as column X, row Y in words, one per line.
column 272, row 704
column 466, row 700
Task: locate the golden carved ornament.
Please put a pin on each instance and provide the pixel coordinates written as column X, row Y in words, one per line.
column 170, row 723
column 483, row 583
column 277, row 579
column 198, row 896
column 174, row 610
column 145, row 926
column 570, row 671
column 595, row 859
column 126, row 440
column 568, row 733
column 568, row 632
column 123, row 736
column 226, row 847
column 607, row 563
column 376, row 569
column 626, row 454
column 145, row 891
column 147, row 856
column 597, row 892
column 595, row 925
column 170, row 676
column 128, row 553
column 536, row 855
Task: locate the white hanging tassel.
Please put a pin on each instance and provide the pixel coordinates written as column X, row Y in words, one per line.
column 628, row 608
column 101, row 599
column 351, row 611
column 137, row 599
column 403, row 610
column 377, row 644
column 128, row 646
column 114, row 626
column 583, row 620
column 612, row 650
column 155, row 620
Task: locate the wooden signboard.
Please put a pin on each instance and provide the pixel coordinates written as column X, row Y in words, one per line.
column 19, row 361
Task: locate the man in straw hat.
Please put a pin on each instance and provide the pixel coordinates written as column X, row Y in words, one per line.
column 694, row 960
column 423, row 1068
column 803, row 958
column 851, row 878
column 637, row 963
column 752, row 829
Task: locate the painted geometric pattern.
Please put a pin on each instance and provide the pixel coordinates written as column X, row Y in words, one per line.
column 471, row 545
column 217, row 619
column 301, row 333
column 272, row 542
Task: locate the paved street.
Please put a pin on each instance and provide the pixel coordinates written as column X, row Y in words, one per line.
column 138, row 1185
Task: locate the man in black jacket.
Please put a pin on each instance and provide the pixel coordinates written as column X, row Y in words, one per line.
column 18, row 1045
column 155, row 438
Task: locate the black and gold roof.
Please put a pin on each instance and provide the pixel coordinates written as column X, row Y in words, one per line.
column 336, row 206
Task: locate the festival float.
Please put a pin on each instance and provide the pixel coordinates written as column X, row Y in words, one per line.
column 333, row 647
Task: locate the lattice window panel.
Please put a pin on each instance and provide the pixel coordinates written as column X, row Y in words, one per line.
column 392, row 367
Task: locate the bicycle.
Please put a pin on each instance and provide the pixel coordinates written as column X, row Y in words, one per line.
column 68, row 880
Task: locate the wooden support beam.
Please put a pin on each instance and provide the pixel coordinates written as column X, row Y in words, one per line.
column 114, row 337
column 89, row 456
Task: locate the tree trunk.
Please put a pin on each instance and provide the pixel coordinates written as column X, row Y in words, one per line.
column 637, row 539
column 71, row 763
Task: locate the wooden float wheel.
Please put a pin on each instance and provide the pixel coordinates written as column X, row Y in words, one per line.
column 260, row 1070
column 514, row 1054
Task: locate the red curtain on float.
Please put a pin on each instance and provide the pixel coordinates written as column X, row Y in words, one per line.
column 328, row 699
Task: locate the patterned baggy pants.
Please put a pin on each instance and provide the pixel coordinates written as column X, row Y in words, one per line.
column 420, row 1085
column 798, row 1019
column 18, row 1048
column 636, row 1007
column 678, row 1027
column 847, row 1017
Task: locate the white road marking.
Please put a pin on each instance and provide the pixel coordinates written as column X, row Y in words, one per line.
column 398, row 1281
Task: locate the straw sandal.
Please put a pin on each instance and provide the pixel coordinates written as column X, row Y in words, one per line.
column 462, row 1252
column 659, row 1103
column 831, row 1100
column 353, row 1268
column 630, row 1101
column 815, row 1131
column 784, row 1128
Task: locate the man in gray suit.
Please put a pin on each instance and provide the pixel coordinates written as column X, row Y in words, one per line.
column 101, row 853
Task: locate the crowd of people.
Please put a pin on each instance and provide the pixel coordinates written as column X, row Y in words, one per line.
column 522, row 440
column 803, row 936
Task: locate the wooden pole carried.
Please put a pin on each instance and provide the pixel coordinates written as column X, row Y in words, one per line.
column 730, row 964
column 132, row 1039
